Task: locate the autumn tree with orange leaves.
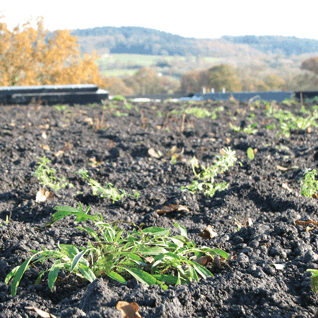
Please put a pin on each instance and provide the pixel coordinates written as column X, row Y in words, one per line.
column 28, row 56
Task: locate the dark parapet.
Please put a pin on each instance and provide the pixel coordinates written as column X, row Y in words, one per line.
column 52, row 94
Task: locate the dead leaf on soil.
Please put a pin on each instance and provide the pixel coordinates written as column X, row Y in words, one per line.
column 59, row 153
column 40, row 312
column 285, row 186
column 227, row 140
column 45, row 147
column 172, row 208
column 128, row 310
column 89, row 120
column 172, row 150
column 281, row 168
column 152, row 153
column 305, row 223
column 43, row 195
column 208, row 233
column 67, row 146
column 149, row 259
column 203, row 260
column 46, row 126
column 222, row 152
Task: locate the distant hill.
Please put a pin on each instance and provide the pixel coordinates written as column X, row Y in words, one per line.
column 139, row 40
column 283, row 45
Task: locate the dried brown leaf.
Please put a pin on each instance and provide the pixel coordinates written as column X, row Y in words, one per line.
column 285, row 186
column 152, row 153
column 40, row 312
column 43, row 195
column 281, row 168
column 89, row 120
column 222, row 152
column 304, row 223
column 172, row 208
column 128, row 310
column 45, row 147
column 149, row 259
column 203, row 260
column 59, row 153
column 208, row 233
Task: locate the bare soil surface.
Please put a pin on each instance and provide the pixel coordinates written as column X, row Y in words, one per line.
column 115, row 149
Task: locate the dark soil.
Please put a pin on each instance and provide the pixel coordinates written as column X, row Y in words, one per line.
column 246, row 286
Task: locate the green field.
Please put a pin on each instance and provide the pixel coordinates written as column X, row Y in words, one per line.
column 110, row 73
column 117, row 64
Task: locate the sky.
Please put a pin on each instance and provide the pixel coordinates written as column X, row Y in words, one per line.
column 198, row 19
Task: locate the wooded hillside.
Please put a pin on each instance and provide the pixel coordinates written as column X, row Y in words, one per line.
column 139, row 40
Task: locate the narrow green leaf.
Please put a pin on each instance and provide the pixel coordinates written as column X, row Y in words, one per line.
column 77, row 259
column 90, row 231
column 87, row 273
column 117, row 277
column 220, row 252
column 69, row 250
column 182, row 230
column 169, row 279
column 135, row 257
column 141, row 276
column 201, row 270
column 156, row 250
column 158, row 231
column 53, row 273
column 193, row 273
column 19, row 273
column 11, row 274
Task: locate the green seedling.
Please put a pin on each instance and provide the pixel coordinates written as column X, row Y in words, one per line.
column 149, row 255
column 250, row 153
column 136, row 194
column 249, row 129
column 46, row 177
column 120, row 114
column 223, row 163
column 103, row 192
column 309, row 186
column 118, row 97
column 314, row 279
column 288, row 121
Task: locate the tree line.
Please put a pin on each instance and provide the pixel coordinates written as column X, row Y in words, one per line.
column 28, row 56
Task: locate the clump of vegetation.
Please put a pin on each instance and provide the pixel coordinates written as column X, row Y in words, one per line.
column 103, row 192
column 249, row 129
column 314, row 279
column 29, row 56
column 309, row 186
column 45, row 175
column 150, row 255
column 119, row 97
column 223, row 163
column 289, row 121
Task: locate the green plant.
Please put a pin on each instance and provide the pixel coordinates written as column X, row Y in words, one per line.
column 222, row 164
column 249, row 129
column 136, row 194
column 120, row 114
column 150, row 255
column 309, row 185
column 46, row 177
column 314, row 279
column 250, row 153
column 103, row 192
column 119, row 97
